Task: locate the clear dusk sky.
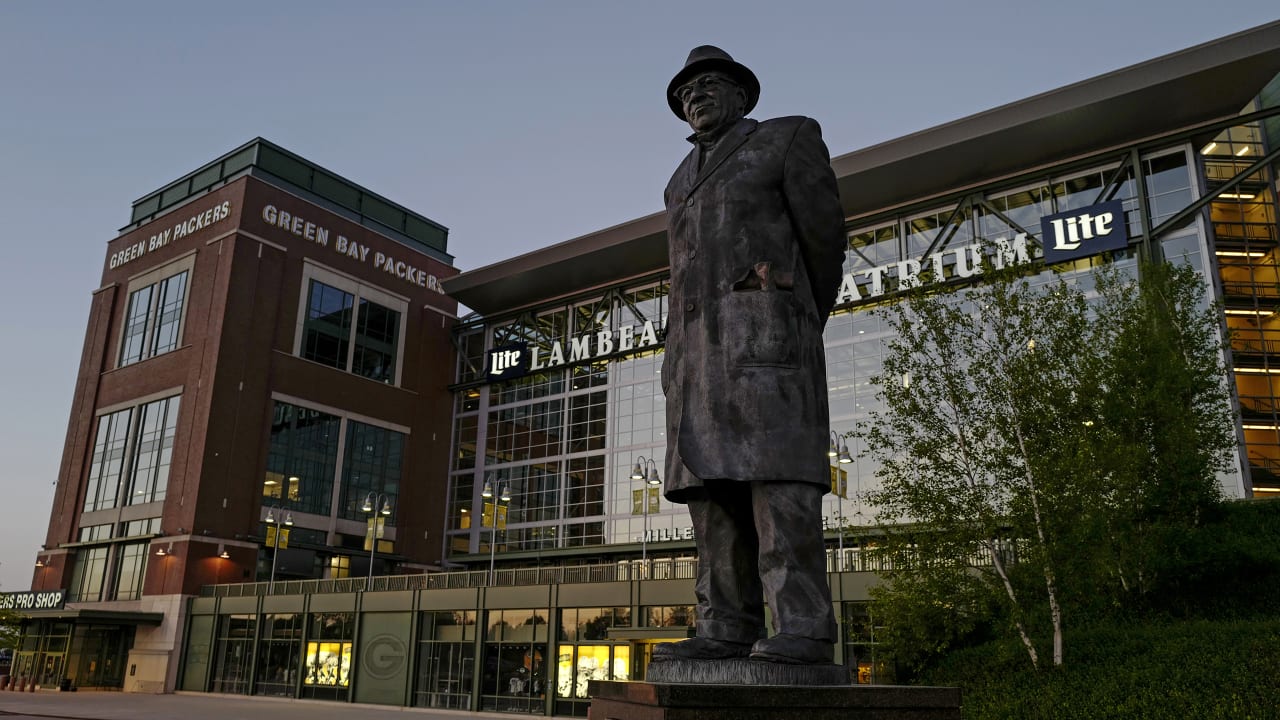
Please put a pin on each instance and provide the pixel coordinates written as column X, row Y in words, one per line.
column 515, row 124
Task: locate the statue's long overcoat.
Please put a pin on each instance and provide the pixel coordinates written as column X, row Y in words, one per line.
column 756, row 242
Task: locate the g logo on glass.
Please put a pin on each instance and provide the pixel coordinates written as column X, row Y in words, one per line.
column 384, row 657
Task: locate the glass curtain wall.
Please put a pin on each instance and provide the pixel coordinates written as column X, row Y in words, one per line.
column 541, row 433
column 446, row 659
column 279, row 655
column 233, row 654
column 515, row 661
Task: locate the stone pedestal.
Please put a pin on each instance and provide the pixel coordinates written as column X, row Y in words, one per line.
column 741, row 671
column 662, row 701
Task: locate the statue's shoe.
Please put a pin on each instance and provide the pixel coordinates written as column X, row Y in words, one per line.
column 792, row 650
column 699, row 648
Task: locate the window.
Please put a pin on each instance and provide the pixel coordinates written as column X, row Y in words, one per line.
column 515, row 653
column 131, row 569
column 351, row 327
column 233, row 654
column 302, row 454
column 279, row 651
column 87, row 574
column 153, row 451
column 134, row 444
column 446, row 659
column 153, row 318
column 373, row 459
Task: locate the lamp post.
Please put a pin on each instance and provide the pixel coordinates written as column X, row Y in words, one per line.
column 273, row 519
column 646, row 469
column 505, row 497
column 839, row 450
column 383, row 505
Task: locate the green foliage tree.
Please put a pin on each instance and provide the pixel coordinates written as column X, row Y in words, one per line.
column 10, row 628
column 1037, row 443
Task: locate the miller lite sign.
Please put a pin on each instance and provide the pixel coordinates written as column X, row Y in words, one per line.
column 1087, row 231
column 506, row 362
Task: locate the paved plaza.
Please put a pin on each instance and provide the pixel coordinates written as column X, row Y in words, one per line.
column 199, row 706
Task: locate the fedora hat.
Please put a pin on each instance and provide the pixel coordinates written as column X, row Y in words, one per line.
column 709, row 57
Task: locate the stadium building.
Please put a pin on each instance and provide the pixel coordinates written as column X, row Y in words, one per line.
column 537, row 553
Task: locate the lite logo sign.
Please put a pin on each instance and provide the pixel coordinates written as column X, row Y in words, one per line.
column 508, row 361
column 1087, row 231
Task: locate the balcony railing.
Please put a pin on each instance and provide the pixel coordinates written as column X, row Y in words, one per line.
column 867, row 560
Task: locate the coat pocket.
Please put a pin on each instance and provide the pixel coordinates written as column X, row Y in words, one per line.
column 760, row 328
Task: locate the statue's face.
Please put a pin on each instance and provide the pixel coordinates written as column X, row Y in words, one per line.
column 710, row 100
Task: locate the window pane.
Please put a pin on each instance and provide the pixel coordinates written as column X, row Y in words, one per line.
column 135, row 325
column 302, row 455
column 373, row 459
column 107, row 466
column 169, row 313
column 377, row 330
column 327, row 331
column 131, row 563
column 153, row 450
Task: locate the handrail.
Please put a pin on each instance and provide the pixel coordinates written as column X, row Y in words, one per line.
column 869, row 560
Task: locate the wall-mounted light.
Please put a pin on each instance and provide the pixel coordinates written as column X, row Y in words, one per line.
column 40, row 562
column 163, row 552
column 222, row 552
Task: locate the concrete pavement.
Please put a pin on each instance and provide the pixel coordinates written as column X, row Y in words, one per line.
column 202, row 706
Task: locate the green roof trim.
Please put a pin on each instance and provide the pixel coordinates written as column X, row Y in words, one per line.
column 274, row 164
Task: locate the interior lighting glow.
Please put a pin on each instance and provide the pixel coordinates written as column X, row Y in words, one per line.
column 1240, row 253
column 1242, row 151
column 1209, row 148
column 1272, row 426
column 1257, row 490
column 1250, row 313
column 1259, row 371
column 1237, row 196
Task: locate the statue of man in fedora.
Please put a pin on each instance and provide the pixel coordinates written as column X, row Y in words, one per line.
column 756, row 241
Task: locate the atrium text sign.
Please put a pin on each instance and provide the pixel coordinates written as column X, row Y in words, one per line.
column 515, row 360
column 1084, row 232
column 964, row 261
column 34, row 600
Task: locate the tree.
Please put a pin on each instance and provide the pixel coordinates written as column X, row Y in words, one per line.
column 10, row 628
column 1039, row 440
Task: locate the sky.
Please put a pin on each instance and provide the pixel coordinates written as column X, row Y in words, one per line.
column 517, row 125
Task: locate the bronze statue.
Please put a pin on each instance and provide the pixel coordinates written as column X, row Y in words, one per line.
column 756, row 241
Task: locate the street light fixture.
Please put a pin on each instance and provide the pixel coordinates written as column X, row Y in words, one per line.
column 505, row 497
column 646, row 469
column 839, row 450
column 273, row 519
column 383, row 504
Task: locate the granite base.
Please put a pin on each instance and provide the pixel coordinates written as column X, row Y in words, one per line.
column 613, row 700
column 744, row 672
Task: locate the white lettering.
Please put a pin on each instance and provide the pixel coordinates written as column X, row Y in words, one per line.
column 848, row 290
column 968, row 266
column 648, row 336
column 1010, row 253
column 604, row 342
column 626, row 338
column 579, row 349
column 908, row 273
